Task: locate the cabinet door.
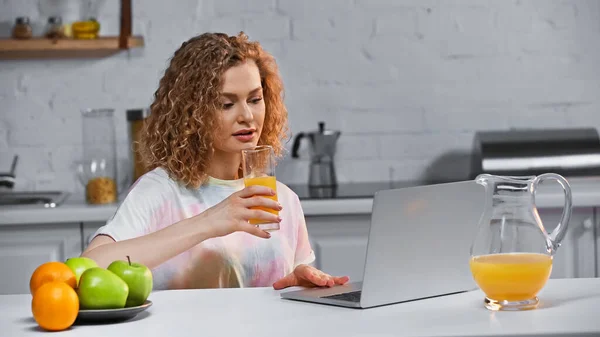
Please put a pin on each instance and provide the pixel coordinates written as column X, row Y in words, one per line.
column 89, row 229
column 340, row 243
column 24, row 247
column 597, row 240
column 576, row 255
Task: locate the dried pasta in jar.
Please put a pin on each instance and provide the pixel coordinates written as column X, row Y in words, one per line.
column 101, row 190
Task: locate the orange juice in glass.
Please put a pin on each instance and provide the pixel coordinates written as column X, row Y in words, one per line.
column 258, row 165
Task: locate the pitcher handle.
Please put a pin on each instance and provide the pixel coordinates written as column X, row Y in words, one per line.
column 558, row 234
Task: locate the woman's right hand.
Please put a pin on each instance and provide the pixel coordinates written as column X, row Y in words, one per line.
column 233, row 214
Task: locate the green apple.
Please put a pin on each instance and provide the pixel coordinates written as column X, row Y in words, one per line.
column 137, row 276
column 100, row 288
column 80, row 264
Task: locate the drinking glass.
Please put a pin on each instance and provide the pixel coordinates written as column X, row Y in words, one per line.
column 258, row 165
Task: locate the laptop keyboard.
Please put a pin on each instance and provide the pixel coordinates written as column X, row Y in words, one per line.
column 353, row 296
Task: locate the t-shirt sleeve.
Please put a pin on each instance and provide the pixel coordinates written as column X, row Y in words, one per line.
column 304, row 252
column 140, row 211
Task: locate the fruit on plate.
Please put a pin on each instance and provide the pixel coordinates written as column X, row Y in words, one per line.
column 55, row 306
column 80, row 264
column 51, row 271
column 137, row 276
column 100, row 288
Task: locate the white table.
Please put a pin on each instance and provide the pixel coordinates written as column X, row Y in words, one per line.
column 569, row 307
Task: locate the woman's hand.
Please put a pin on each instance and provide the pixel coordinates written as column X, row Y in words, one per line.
column 232, row 214
column 308, row 276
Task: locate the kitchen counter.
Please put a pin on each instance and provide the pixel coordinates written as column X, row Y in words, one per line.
column 76, row 210
column 586, row 193
column 569, row 307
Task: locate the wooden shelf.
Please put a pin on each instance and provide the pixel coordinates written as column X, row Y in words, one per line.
column 42, row 48
column 65, row 48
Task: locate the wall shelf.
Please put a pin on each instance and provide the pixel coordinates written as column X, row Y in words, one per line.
column 43, row 48
column 65, row 48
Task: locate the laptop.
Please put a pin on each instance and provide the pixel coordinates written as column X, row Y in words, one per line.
column 418, row 247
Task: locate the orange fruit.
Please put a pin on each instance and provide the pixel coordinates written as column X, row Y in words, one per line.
column 55, row 306
column 51, row 271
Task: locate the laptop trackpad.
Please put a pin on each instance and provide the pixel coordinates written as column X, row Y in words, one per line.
column 353, row 296
column 323, row 291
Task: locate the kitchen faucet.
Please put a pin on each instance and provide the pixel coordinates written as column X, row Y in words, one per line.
column 8, row 179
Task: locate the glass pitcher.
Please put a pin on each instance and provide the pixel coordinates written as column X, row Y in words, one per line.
column 511, row 255
column 98, row 169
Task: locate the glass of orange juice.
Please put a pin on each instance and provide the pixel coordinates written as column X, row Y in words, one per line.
column 258, row 164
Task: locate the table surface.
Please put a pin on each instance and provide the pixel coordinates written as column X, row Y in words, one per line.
column 569, row 307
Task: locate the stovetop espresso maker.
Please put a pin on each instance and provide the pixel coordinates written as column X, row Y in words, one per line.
column 322, row 149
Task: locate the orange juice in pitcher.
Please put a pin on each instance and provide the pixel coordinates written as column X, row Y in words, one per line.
column 512, row 253
column 511, row 276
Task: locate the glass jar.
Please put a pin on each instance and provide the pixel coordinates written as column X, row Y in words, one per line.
column 98, row 169
column 135, row 118
column 85, row 30
column 54, row 28
column 22, row 29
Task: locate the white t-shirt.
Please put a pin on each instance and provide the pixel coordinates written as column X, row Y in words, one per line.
column 235, row 260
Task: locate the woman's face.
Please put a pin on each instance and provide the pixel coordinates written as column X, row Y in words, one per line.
column 242, row 109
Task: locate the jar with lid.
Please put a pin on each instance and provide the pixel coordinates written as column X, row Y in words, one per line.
column 54, row 28
column 85, row 30
column 22, row 28
column 98, row 169
column 135, row 119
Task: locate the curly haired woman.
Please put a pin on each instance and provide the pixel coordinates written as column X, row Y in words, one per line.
column 187, row 218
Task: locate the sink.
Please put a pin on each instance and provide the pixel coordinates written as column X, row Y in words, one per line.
column 44, row 199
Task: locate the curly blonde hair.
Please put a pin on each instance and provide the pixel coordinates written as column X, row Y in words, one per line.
column 179, row 133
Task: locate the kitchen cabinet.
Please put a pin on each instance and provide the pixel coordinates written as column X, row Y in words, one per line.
column 24, row 247
column 340, row 243
column 576, row 257
column 597, row 240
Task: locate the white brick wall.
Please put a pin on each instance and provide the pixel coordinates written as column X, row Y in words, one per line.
column 406, row 82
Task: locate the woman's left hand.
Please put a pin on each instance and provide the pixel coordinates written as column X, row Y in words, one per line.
column 308, row 276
